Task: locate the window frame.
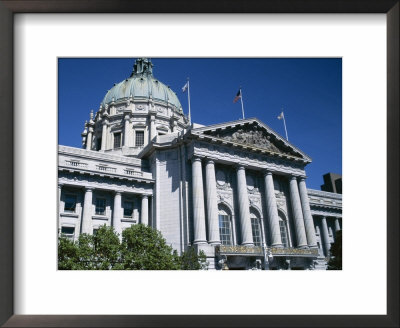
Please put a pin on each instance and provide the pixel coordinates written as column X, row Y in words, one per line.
column 68, row 235
column 99, row 140
column 136, row 134
column 229, row 221
column 96, row 206
column 283, row 224
column 65, row 202
column 117, row 133
column 133, row 208
column 258, row 220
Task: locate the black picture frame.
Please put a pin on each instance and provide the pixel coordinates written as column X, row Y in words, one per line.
column 7, row 10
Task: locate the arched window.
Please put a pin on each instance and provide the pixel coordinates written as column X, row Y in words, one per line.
column 283, row 229
column 256, row 227
column 225, row 225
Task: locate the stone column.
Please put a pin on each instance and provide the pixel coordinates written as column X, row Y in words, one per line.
column 126, row 131
column 117, row 213
column 297, row 213
column 244, row 211
column 59, row 199
column 89, row 139
column 59, row 192
column 272, row 210
column 308, row 220
column 104, row 136
column 337, row 225
column 199, row 222
column 87, row 226
column 152, row 127
column 145, row 210
column 212, row 206
column 325, row 236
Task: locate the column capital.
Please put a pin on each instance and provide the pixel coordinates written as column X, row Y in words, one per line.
column 302, row 178
column 105, row 122
column 60, row 185
column 89, row 189
column 117, row 192
column 267, row 172
column 210, row 161
column 144, row 196
column 240, row 167
column 196, row 159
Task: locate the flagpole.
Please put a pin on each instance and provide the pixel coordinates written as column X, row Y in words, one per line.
column 284, row 124
column 190, row 116
column 241, row 100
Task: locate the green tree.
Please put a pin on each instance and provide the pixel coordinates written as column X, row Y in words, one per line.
column 142, row 248
column 106, row 249
column 190, row 260
column 90, row 252
column 67, row 254
column 335, row 261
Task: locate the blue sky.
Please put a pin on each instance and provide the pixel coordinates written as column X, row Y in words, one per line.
column 308, row 89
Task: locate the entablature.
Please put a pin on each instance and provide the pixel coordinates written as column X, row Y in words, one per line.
column 233, row 156
column 324, row 199
column 250, row 134
column 326, row 212
column 94, row 163
column 105, row 184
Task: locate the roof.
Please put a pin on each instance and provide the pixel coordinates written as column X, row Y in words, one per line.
column 142, row 85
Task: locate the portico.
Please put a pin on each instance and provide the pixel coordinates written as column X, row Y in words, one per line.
column 219, row 179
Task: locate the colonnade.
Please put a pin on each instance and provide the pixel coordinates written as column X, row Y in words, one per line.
column 325, row 233
column 117, row 213
column 303, row 222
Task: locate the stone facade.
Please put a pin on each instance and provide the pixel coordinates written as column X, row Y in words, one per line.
column 235, row 190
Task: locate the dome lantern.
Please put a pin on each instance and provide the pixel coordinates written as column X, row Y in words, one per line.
column 142, row 66
column 141, row 86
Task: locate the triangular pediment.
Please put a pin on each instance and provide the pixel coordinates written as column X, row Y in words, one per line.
column 251, row 133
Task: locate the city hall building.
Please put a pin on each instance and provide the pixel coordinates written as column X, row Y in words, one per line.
column 236, row 190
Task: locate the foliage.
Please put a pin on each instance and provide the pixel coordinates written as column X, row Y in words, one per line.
column 190, row 260
column 67, row 254
column 142, row 248
column 335, row 261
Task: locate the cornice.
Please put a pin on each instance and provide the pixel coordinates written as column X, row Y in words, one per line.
column 326, row 194
column 238, row 123
column 95, row 155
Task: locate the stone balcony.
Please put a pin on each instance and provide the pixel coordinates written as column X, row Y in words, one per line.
column 93, row 162
column 318, row 197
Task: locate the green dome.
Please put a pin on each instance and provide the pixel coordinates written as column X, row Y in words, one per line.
column 142, row 85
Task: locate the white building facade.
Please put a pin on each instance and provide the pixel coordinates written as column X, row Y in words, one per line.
column 235, row 190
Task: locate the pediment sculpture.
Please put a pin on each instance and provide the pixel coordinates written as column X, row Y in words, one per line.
column 250, row 137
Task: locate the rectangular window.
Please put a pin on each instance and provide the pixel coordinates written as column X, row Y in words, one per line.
column 284, row 236
column 256, row 230
column 139, row 138
column 70, row 203
column 128, row 209
column 98, row 145
column 95, row 231
column 100, row 206
column 68, row 232
column 117, row 140
column 225, row 229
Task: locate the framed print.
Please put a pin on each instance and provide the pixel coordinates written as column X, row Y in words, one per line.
column 37, row 35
